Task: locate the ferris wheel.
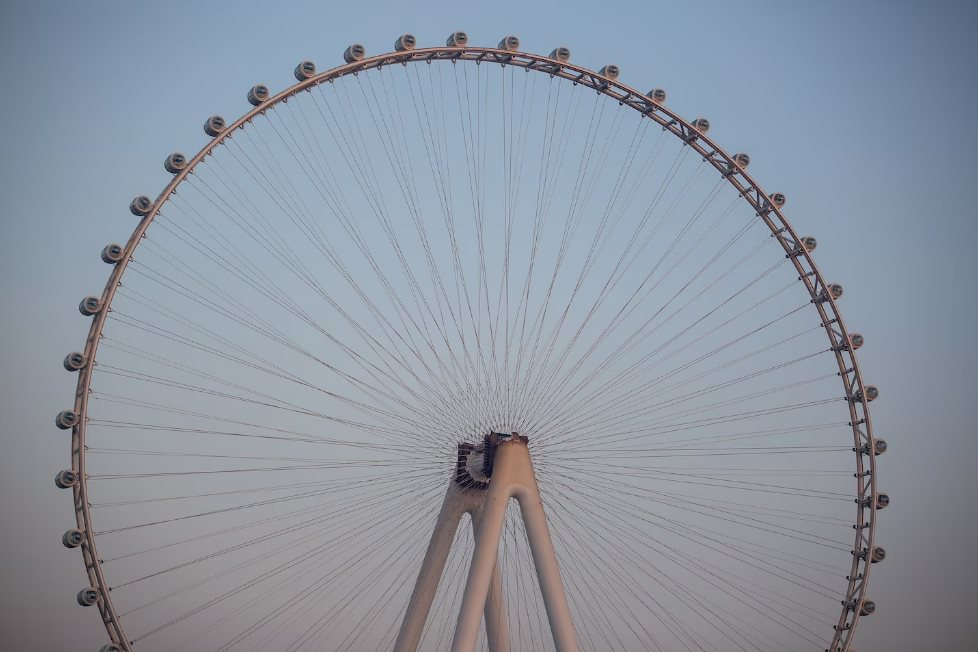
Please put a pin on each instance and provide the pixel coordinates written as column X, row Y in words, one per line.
column 471, row 348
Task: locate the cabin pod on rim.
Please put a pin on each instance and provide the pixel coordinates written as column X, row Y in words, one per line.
column 740, row 161
column 457, row 40
column 355, row 52
column 778, row 200
column 90, row 306
column 869, row 393
column 702, row 125
column 88, row 596
column 258, row 95
column 611, row 71
column 405, row 43
column 66, row 420
column 140, row 206
column 856, row 340
column 561, row 54
column 305, row 70
column 175, row 162
column 805, row 243
column 879, row 554
column 832, row 289
column 510, row 43
column 72, row 538
column 657, row 95
column 214, row 125
column 110, row 647
column 112, row 254
column 65, row 479
column 74, row 361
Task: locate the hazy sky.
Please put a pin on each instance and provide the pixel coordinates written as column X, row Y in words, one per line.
column 863, row 113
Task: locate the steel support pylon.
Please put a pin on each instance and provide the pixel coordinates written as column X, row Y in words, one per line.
column 512, row 476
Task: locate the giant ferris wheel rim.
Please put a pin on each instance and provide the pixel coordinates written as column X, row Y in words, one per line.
column 746, row 186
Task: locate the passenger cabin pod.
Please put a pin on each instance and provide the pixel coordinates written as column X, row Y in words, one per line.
column 90, row 306
column 66, row 420
column 560, row 54
column 701, row 125
column 88, row 596
column 405, row 43
column 510, row 43
column 741, row 160
column 879, row 554
column 778, row 200
column 832, row 289
column 140, row 206
column 65, row 479
column 305, row 70
column 805, row 243
column 879, row 446
column 110, row 647
column 258, row 95
column 867, row 608
column 867, row 394
column 74, row 361
column 214, row 125
column 112, row 254
column 175, row 162
column 72, row 538
column 657, row 95
column 457, row 40
column 856, row 341
column 611, row 71
column 355, row 52
column 882, row 500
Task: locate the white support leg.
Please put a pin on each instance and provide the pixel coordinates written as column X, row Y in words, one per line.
column 432, row 568
column 513, row 475
column 497, row 620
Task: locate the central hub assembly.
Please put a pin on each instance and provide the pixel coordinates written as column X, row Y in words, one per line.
column 473, row 470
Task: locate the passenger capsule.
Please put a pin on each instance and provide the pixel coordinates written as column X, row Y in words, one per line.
column 560, row 54
column 258, row 95
column 778, row 199
column 882, row 500
column 741, row 160
column 701, row 125
column 65, row 479
column 87, row 597
column 867, row 608
column 214, row 125
column 833, row 289
column 305, row 70
column 355, row 52
column 175, row 162
column 805, row 243
column 112, row 254
column 90, row 306
column 72, row 538
column 457, row 40
column 856, row 340
column 110, row 647
column 510, row 43
column 657, row 95
column 879, row 554
column 879, row 446
column 66, row 420
column 870, row 393
column 610, row 71
column 140, row 206
column 405, row 43
column 74, row 361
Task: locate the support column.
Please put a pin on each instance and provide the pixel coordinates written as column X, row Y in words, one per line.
column 431, row 571
column 497, row 620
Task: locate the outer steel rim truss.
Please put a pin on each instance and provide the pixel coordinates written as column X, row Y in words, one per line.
column 711, row 152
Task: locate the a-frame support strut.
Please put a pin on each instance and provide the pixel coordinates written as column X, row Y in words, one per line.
column 511, row 475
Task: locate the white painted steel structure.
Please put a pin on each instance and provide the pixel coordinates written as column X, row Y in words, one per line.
column 514, row 476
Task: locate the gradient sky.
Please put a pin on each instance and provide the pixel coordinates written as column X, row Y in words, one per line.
column 862, row 113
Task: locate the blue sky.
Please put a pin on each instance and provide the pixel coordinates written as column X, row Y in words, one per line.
column 862, row 113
